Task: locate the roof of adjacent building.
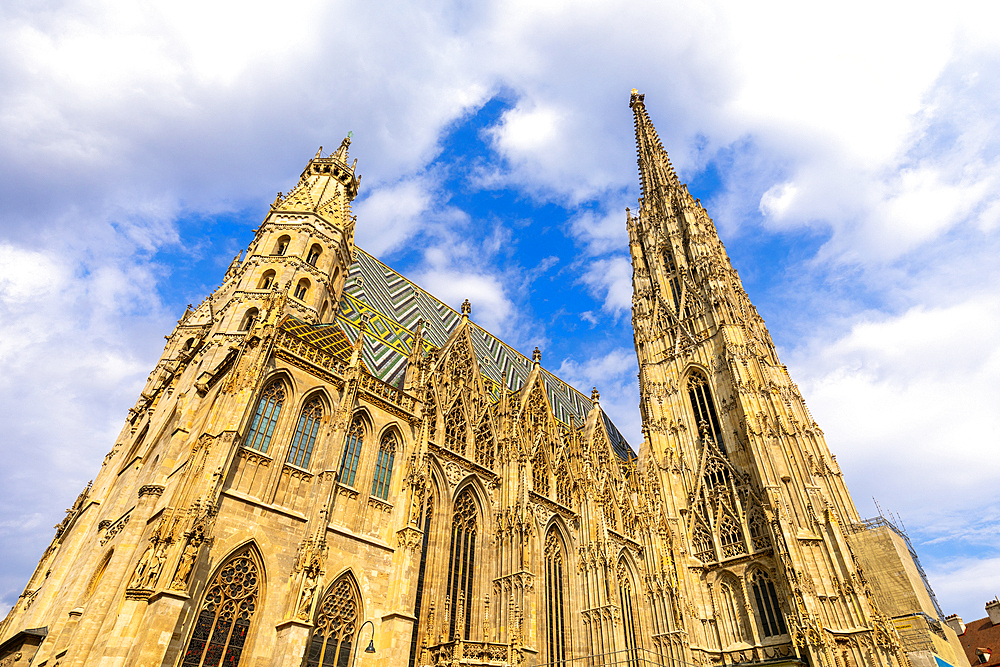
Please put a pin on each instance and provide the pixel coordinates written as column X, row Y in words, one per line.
column 394, row 304
column 981, row 634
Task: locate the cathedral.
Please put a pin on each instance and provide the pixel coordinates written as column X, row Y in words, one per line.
column 328, row 466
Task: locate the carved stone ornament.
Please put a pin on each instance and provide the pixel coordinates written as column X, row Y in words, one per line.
column 151, row 490
column 454, row 472
column 409, row 538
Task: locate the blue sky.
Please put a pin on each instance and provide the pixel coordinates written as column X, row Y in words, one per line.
column 851, row 168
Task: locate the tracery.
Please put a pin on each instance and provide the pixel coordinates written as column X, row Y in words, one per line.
column 336, row 621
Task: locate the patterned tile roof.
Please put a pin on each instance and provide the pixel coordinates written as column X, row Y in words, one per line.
column 394, row 304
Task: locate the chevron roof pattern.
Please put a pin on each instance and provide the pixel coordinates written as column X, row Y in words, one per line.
column 394, row 304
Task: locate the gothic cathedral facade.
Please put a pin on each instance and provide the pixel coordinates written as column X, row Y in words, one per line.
column 327, row 460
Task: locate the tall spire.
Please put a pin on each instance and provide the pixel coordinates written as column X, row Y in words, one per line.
column 327, row 185
column 656, row 174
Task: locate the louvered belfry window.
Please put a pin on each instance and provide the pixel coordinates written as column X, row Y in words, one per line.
column 771, row 621
column 704, row 407
column 461, row 566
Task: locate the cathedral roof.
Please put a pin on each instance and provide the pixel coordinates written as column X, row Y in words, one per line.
column 394, row 304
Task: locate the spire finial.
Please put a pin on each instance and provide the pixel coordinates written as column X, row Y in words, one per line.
column 536, row 357
column 467, row 308
column 655, row 170
column 319, row 153
column 595, row 395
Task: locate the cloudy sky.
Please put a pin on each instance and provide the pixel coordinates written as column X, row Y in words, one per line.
column 848, row 153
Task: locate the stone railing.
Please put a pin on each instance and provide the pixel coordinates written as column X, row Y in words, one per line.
column 469, row 653
column 312, row 354
column 385, row 391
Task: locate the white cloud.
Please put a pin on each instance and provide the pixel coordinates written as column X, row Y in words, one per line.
column 610, row 279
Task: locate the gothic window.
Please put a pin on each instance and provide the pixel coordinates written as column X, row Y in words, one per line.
column 766, row 600
column 266, row 280
column 704, row 408
column 555, row 610
column 265, row 417
column 223, row 622
column 425, row 525
column 352, row 451
column 305, row 434
column 331, row 641
column 732, row 628
column 534, row 416
column 731, row 538
column 461, row 566
column 716, row 473
column 758, row 531
column 460, row 363
column 454, row 429
column 629, row 621
column 282, row 245
column 701, row 545
column 383, row 469
column 314, row 254
column 248, row 319
column 563, row 486
column 301, row 289
column 540, row 473
column 484, row 443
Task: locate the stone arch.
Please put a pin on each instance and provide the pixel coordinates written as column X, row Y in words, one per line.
column 731, row 605
column 337, row 621
column 95, row 578
column 229, row 604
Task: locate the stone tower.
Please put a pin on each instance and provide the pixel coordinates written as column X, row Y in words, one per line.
column 327, row 458
column 753, row 502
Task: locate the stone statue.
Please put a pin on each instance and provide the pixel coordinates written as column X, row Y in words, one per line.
column 184, row 567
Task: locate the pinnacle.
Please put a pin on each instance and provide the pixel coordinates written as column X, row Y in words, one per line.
column 655, row 170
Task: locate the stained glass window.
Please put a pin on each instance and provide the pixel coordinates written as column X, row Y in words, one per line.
column 265, row 417
column 555, row 610
column 336, row 622
column 305, row 434
column 383, row 468
column 352, row 451
column 461, row 565
column 223, row 623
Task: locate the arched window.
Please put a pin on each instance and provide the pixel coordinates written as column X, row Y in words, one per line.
column 227, row 611
column 555, row 591
column 766, row 600
column 540, row 473
column 732, row 631
column 314, row 253
column 758, row 530
column 323, row 309
column 266, row 416
column 305, row 433
column 352, row 451
column 484, row 443
column 383, row 468
column 282, row 245
column 331, row 641
column 461, row 565
column 455, row 429
column 701, row 545
column 704, row 407
column 731, row 537
column 266, row 280
column 248, row 319
column 301, row 289
column 629, row 620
